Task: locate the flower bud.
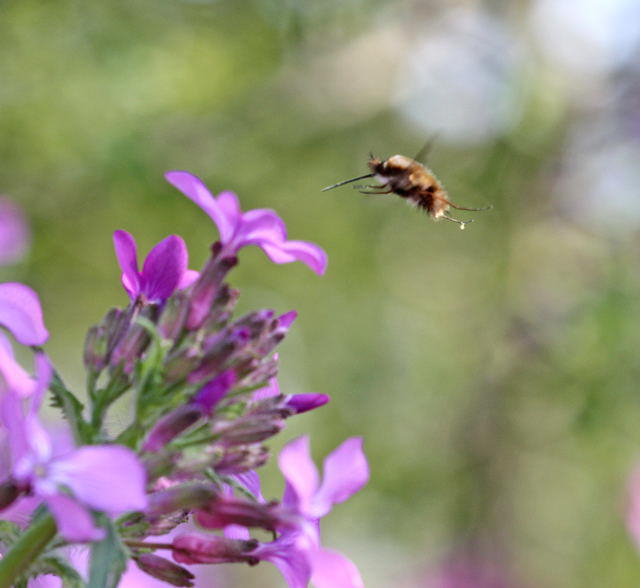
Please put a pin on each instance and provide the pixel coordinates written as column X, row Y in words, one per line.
column 300, row 403
column 157, row 465
column 179, row 497
column 172, row 425
column 213, row 391
column 200, row 549
column 131, row 348
column 246, row 430
column 218, row 353
column 174, row 315
column 164, row 570
column 236, row 460
column 95, row 349
column 230, row 510
column 221, row 310
column 205, row 289
column 115, row 323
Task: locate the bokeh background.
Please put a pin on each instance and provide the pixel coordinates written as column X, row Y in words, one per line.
column 493, row 372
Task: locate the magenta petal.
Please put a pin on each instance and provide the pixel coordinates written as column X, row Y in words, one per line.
column 15, row 377
column 269, row 391
column 300, row 472
column 287, row 319
column 237, row 532
column 194, row 189
column 251, row 481
column 188, row 278
column 331, row 569
column 230, row 206
column 74, row 522
column 215, row 390
column 345, row 472
column 164, row 268
column 308, row 253
column 21, row 313
column 292, row 562
column 261, row 224
column 14, row 232
column 106, row 477
column 45, row 581
column 304, row 402
column 127, row 255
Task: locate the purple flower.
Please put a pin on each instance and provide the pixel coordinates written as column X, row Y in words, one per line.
column 261, row 226
column 345, row 472
column 297, row 403
column 87, row 472
column 14, row 232
column 164, row 270
column 297, row 552
column 21, row 313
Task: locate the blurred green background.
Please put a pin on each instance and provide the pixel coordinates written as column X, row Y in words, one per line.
column 492, row 372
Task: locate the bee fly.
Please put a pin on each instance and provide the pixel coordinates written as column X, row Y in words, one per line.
column 412, row 181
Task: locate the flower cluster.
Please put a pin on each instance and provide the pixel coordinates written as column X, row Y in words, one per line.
column 179, row 480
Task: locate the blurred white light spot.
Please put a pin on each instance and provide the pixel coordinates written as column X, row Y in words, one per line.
column 457, row 81
column 587, row 36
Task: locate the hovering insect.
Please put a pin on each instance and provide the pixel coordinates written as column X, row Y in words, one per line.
column 412, row 181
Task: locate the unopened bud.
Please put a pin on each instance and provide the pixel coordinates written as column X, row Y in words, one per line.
column 164, row 570
column 157, row 465
column 133, row 344
column 221, row 310
column 300, row 403
column 213, row 391
column 201, row 549
column 179, row 497
column 172, row 425
column 95, row 349
column 116, row 323
column 236, row 460
column 205, row 289
column 218, row 353
column 243, row 431
column 174, row 315
column 230, row 510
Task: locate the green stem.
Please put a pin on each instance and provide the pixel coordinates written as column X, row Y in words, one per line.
column 26, row 549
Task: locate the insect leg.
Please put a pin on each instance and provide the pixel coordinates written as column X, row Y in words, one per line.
column 455, row 220
column 383, row 192
column 452, row 205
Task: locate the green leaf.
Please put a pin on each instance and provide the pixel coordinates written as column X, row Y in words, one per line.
column 108, row 558
column 72, row 409
column 58, row 566
column 9, row 533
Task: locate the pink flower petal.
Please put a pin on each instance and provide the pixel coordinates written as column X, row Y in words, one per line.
column 14, row 232
column 300, row 472
column 74, row 522
column 331, row 569
column 93, row 472
column 292, row 562
column 194, row 189
column 21, row 313
column 127, row 255
column 164, row 268
column 188, row 278
column 346, row 471
column 13, row 376
column 45, row 581
column 308, row 253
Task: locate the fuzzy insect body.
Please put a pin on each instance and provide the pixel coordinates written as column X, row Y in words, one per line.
column 412, row 181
